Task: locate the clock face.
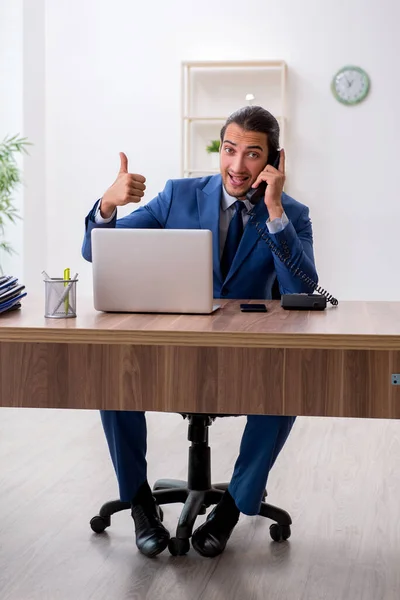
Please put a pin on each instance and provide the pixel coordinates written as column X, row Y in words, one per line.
column 350, row 85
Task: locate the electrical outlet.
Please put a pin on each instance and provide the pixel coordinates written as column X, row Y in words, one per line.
column 395, row 378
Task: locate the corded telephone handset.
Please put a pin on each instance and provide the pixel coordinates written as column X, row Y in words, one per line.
column 289, row 301
column 255, row 194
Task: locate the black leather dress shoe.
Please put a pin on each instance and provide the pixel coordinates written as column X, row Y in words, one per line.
column 151, row 535
column 210, row 539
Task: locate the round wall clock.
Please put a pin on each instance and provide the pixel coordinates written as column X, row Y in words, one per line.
column 350, row 85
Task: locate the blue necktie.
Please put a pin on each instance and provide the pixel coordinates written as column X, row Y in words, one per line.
column 233, row 238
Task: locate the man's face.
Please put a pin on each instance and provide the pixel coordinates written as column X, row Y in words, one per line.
column 243, row 156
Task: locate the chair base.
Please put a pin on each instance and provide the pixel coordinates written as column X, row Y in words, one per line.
column 195, row 503
column 197, row 494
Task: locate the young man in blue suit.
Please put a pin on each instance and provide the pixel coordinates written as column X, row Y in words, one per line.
column 244, row 267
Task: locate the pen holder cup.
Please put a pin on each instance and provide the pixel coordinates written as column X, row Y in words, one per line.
column 60, row 298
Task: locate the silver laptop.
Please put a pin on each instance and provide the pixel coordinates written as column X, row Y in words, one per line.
column 153, row 270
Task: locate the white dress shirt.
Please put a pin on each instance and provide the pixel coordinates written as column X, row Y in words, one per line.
column 227, row 210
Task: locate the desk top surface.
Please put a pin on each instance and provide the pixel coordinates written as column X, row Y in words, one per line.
column 351, row 325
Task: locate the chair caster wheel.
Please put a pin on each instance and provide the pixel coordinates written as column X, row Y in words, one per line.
column 279, row 533
column 160, row 513
column 99, row 524
column 178, row 547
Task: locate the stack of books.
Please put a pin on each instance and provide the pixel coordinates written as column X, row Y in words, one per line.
column 11, row 293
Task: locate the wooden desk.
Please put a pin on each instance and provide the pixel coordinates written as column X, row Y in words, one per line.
column 334, row 363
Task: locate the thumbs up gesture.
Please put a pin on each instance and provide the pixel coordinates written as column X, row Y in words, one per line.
column 128, row 187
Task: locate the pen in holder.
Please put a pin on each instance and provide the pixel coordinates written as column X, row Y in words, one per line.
column 60, row 297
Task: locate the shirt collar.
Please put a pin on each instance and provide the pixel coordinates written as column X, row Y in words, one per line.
column 227, row 201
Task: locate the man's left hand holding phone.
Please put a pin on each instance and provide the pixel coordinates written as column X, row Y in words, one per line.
column 273, row 178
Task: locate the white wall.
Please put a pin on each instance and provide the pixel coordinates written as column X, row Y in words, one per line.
column 113, row 83
column 35, row 197
column 11, row 119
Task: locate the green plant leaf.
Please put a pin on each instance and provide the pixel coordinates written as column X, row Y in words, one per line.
column 7, row 248
column 10, row 179
column 213, row 146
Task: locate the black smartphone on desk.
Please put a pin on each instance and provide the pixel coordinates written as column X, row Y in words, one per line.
column 253, row 308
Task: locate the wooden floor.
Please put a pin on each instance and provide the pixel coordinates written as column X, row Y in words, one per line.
column 340, row 480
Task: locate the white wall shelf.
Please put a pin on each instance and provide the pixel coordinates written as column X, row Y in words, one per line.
column 212, row 90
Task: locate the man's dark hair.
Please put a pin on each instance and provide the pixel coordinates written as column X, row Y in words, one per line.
column 256, row 118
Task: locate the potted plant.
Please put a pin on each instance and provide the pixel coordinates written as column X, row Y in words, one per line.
column 10, row 178
column 213, row 149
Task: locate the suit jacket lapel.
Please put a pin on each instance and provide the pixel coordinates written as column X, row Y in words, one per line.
column 249, row 239
column 208, row 203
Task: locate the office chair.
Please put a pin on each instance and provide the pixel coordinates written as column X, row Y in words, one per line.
column 197, row 493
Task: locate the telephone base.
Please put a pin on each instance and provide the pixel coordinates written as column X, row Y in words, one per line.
column 303, row 302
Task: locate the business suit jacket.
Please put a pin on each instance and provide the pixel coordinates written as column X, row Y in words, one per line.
column 194, row 203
